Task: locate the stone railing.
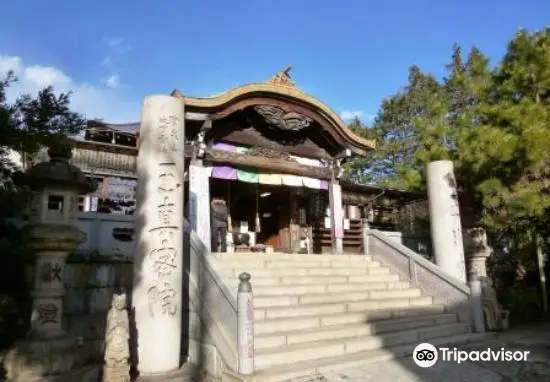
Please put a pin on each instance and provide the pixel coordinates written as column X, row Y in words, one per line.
column 212, row 311
column 446, row 290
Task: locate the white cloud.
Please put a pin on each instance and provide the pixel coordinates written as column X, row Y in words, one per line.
column 116, row 48
column 113, row 41
column 113, row 81
column 369, row 117
column 9, row 64
column 346, row 115
column 43, row 76
column 106, row 61
column 117, row 44
column 93, row 101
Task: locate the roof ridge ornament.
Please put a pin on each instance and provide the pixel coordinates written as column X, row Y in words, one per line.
column 283, row 77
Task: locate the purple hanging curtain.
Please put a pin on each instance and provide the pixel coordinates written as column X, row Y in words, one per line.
column 225, row 147
column 224, row 172
column 324, row 184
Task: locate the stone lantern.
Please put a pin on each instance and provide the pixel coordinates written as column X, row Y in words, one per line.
column 51, row 235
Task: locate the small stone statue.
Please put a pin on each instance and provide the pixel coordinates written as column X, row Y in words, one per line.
column 496, row 318
column 117, row 346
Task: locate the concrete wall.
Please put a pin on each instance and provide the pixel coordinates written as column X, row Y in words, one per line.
column 102, row 264
column 90, row 283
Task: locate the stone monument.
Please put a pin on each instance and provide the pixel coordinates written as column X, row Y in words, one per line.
column 158, row 266
column 51, row 234
column 445, row 220
column 117, row 345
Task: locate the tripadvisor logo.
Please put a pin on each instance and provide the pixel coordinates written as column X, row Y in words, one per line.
column 427, row 355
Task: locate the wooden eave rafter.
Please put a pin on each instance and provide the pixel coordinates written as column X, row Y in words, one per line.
column 269, row 164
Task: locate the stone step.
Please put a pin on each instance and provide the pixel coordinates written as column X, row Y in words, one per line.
column 233, row 282
column 338, row 347
column 324, row 298
column 304, row 369
column 327, row 288
column 268, row 264
column 339, row 307
column 347, row 318
column 302, row 335
column 389, row 303
column 254, row 256
column 299, row 272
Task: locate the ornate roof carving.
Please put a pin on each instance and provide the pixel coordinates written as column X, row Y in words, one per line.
column 283, row 120
column 282, row 78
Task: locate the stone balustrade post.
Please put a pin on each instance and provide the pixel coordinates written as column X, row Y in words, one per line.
column 477, row 304
column 366, row 228
column 245, row 325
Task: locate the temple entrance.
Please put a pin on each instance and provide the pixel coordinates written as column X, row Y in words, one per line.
column 257, row 211
column 270, row 211
column 287, row 219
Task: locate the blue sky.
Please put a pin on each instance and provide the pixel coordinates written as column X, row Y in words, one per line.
column 348, row 53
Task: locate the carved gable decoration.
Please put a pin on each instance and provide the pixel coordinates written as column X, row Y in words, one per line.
column 270, row 153
column 277, row 117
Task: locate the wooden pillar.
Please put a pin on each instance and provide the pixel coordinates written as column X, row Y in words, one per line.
column 199, row 190
column 294, row 227
column 199, row 201
column 336, row 213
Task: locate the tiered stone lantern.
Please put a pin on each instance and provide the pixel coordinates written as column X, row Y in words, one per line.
column 51, row 235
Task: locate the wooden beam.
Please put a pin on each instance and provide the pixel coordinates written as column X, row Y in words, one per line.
column 271, row 164
column 193, row 116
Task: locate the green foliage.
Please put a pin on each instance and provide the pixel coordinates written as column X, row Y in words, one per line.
column 26, row 125
column 493, row 123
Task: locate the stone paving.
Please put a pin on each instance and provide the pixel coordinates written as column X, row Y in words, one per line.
column 535, row 339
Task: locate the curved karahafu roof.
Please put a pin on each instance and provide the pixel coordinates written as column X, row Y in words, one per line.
column 280, row 92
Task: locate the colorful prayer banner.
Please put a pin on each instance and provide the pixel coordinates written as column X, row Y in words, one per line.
column 224, row 172
column 225, row 147
column 312, row 183
column 292, row 180
column 271, row 179
column 248, row 175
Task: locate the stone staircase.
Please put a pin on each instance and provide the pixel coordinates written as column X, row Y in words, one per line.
column 312, row 311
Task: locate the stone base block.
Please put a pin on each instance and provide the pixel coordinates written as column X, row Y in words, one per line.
column 33, row 360
column 187, row 372
column 90, row 373
column 116, row 374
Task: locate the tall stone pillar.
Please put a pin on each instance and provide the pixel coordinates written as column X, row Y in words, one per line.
column 199, row 202
column 445, row 219
column 158, row 267
column 336, row 217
